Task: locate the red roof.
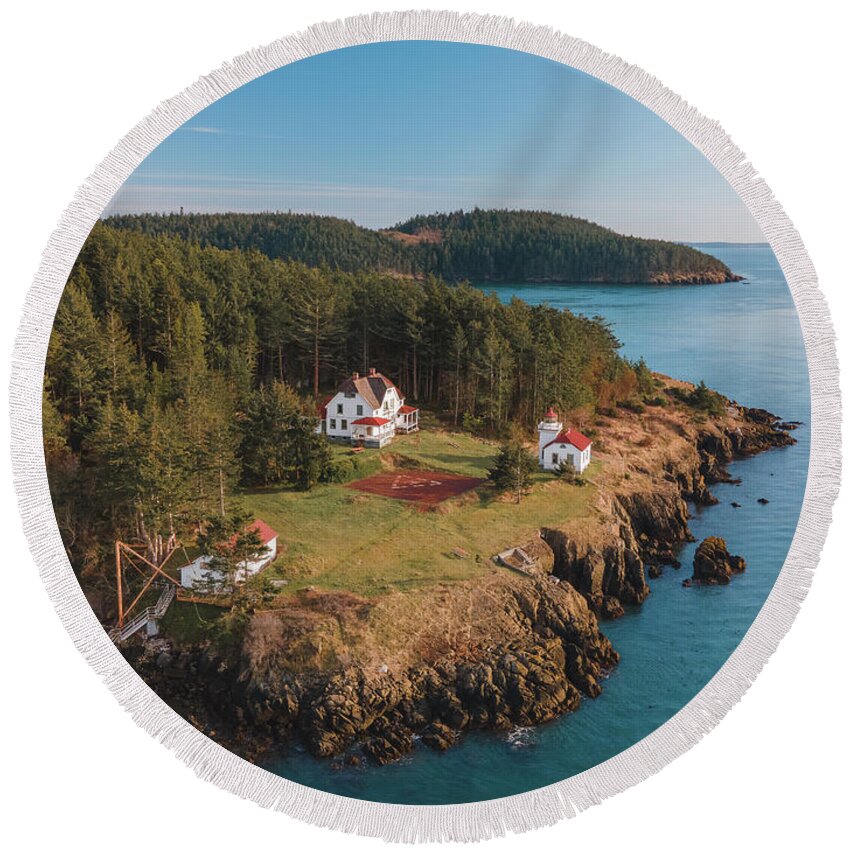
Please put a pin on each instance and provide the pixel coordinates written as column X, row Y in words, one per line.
column 266, row 532
column 371, row 420
column 573, row 438
column 406, row 408
column 322, row 407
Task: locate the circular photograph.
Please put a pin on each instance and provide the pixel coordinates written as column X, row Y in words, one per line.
column 426, row 422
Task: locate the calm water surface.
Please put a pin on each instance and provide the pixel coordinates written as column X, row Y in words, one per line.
column 744, row 340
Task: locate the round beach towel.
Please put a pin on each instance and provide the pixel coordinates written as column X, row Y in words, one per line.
column 426, row 425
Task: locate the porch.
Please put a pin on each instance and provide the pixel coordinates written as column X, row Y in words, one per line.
column 407, row 419
column 372, row 431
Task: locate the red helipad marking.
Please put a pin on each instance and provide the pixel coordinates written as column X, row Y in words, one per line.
column 429, row 487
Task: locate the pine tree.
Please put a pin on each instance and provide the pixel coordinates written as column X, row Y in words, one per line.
column 188, row 362
column 512, row 469
column 266, row 448
column 232, row 545
column 317, row 308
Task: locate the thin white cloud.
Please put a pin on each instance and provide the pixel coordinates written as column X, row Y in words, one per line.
column 212, row 130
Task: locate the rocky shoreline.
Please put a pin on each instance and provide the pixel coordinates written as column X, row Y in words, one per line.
column 533, row 649
column 650, row 526
column 558, row 657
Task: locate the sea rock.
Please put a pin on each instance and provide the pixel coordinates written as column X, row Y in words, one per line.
column 713, row 564
column 610, row 608
column 438, row 736
column 390, row 745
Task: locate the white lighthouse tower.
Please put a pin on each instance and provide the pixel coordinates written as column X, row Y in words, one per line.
column 558, row 448
column 547, row 430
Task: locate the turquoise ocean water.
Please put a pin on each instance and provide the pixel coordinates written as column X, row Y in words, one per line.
column 744, row 340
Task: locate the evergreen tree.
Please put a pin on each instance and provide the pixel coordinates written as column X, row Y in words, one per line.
column 266, row 446
column 232, row 545
column 310, row 453
column 317, row 311
column 512, row 469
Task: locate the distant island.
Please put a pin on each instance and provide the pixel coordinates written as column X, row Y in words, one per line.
column 478, row 245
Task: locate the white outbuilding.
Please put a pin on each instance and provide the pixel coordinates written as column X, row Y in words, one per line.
column 557, row 446
column 200, row 572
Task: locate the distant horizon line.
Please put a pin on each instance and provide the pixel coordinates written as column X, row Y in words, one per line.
column 181, row 211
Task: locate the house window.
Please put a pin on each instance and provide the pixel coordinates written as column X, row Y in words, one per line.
column 333, row 424
column 371, row 432
column 339, row 408
column 343, row 425
column 555, row 459
column 359, row 409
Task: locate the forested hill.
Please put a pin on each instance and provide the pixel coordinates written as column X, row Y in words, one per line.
column 523, row 245
column 478, row 245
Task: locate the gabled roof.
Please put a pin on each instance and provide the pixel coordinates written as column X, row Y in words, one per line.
column 572, row 438
column 372, row 387
column 371, row 420
column 266, row 532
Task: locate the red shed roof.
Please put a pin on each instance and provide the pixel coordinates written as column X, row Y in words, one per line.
column 266, row 532
column 406, row 408
column 371, row 420
column 573, row 438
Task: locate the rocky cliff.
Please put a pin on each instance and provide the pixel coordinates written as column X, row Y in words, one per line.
column 531, row 649
column 644, row 519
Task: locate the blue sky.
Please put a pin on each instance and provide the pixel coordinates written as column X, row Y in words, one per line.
column 382, row 132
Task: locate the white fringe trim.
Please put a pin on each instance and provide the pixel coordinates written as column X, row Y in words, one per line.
column 471, row 821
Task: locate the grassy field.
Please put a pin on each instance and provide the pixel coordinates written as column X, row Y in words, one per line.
column 449, row 452
column 187, row 622
column 336, row 538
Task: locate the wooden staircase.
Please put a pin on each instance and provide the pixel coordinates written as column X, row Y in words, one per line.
column 150, row 614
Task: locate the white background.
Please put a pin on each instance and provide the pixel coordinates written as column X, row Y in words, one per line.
column 76, row 77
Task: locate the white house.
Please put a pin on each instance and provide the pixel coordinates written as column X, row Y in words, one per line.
column 367, row 410
column 199, row 571
column 556, row 446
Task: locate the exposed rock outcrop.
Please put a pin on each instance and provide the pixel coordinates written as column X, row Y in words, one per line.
column 713, row 564
column 693, row 278
column 647, row 527
column 553, row 655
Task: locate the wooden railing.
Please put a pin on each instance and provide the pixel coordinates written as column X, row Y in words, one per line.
column 152, row 612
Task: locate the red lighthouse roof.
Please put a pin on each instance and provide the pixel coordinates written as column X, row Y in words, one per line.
column 550, row 415
column 573, row 438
